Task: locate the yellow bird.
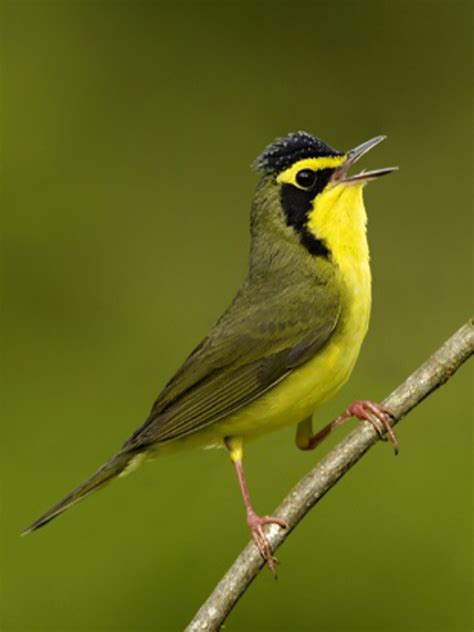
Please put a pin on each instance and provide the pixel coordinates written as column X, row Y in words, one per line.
column 292, row 334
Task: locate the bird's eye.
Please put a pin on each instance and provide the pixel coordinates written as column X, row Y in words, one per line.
column 305, row 178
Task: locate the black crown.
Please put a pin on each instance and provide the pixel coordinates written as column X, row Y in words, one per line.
column 285, row 151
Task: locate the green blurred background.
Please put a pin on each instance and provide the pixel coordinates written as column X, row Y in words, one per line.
column 128, row 133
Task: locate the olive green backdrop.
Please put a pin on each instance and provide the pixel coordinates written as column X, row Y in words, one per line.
column 128, row 134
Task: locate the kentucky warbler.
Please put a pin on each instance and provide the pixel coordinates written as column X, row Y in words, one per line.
column 292, row 334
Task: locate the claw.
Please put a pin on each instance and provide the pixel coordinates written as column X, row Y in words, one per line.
column 256, row 524
column 377, row 415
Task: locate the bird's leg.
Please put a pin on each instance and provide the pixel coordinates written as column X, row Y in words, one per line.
column 254, row 521
column 375, row 414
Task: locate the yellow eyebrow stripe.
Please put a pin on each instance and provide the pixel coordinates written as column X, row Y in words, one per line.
column 324, row 162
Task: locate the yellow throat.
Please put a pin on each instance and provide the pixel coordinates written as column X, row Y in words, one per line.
column 339, row 218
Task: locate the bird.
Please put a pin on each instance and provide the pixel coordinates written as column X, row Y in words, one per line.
column 291, row 336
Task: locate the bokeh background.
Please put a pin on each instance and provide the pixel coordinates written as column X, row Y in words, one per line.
column 128, row 132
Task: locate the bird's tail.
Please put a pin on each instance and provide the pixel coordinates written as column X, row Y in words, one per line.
column 113, row 468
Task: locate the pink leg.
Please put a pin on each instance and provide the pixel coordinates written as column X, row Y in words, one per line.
column 365, row 410
column 255, row 522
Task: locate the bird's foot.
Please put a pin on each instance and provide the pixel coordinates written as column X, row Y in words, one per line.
column 377, row 415
column 256, row 524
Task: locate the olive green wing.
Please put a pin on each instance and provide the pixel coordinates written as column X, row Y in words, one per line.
column 261, row 338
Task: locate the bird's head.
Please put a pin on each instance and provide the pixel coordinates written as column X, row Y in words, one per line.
column 318, row 199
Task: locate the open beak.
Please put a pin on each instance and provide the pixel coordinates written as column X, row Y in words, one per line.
column 340, row 174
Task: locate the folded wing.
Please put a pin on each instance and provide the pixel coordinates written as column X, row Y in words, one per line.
column 254, row 346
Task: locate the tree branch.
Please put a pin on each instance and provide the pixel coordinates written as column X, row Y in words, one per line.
column 440, row 367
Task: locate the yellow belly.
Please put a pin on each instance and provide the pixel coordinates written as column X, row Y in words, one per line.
column 303, row 391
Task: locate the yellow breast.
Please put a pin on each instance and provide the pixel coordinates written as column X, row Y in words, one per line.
column 340, row 219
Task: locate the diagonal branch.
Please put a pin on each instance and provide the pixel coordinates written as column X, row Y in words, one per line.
column 439, row 368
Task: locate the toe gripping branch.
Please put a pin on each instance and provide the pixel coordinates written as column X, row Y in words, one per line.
column 377, row 415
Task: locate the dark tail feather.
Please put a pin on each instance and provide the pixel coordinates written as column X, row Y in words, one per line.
column 110, row 470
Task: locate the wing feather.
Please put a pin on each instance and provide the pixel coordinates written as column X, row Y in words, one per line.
column 250, row 349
